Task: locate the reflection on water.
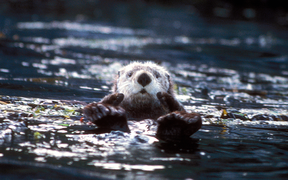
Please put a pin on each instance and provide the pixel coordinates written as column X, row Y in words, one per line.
column 233, row 73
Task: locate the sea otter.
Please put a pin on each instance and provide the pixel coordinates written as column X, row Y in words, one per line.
column 144, row 91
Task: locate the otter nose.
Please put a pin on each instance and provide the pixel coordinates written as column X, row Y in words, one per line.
column 144, row 79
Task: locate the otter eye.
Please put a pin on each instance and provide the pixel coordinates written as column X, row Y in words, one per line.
column 130, row 74
column 156, row 74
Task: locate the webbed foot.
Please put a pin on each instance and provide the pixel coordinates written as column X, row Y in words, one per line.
column 178, row 126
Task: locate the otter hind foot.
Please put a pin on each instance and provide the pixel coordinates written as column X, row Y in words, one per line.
column 178, row 126
column 107, row 116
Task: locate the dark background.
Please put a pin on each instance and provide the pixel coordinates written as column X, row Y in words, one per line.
column 270, row 11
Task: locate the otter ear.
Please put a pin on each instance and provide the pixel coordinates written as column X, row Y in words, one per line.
column 115, row 88
column 170, row 88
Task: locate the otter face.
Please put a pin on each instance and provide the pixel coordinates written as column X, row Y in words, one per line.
column 142, row 81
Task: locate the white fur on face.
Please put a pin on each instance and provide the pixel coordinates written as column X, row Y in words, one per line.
column 128, row 85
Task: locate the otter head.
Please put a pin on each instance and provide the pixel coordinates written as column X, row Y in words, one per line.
column 140, row 82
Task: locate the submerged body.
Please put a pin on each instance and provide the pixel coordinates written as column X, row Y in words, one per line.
column 144, row 91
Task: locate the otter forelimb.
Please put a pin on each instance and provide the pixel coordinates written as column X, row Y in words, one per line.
column 169, row 101
column 106, row 114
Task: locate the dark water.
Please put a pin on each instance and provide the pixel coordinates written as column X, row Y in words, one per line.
column 232, row 72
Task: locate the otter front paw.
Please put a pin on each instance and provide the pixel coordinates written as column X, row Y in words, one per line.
column 113, row 99
column 178, row 126
column 169, row 101
column 107, row 116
